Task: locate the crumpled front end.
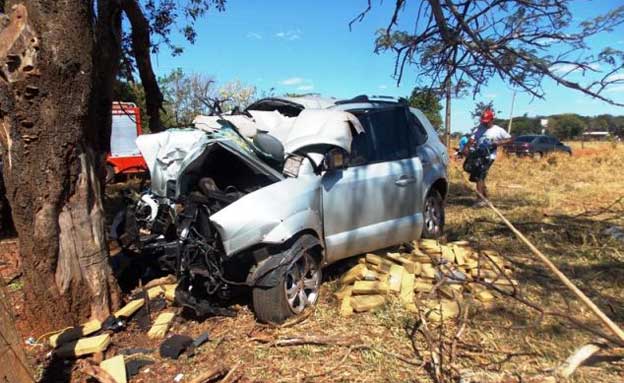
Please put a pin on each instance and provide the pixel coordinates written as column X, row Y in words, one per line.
column 271, row 215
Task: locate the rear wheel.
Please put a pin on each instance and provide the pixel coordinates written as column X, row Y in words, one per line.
column 433, row 215
column 297, row 289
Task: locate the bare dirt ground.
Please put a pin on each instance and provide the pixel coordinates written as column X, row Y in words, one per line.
column 563, row 204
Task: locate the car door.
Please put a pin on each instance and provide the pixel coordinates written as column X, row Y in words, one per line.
column 540, row 145
column 374, row 202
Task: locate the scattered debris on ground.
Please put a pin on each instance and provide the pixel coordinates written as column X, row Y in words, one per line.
column 426, row 275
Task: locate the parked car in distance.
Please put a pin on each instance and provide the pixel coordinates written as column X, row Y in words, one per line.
column 536, row 146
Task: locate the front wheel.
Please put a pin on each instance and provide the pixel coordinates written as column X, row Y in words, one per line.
column 433, row 216
column 296, row 289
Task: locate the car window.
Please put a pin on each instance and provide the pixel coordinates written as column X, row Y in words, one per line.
column 417, row 132
column 525, row 139
column 362, row 146
column 389, row 128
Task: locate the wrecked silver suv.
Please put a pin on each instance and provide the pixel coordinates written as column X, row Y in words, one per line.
column 265, row 199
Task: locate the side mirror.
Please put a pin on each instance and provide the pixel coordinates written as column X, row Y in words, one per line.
column 335, row 158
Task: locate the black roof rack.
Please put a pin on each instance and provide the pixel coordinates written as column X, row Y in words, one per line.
column 373, row 99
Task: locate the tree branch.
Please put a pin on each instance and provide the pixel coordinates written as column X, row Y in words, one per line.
column 141, row 51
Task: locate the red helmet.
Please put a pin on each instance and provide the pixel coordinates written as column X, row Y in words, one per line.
column 487, row 116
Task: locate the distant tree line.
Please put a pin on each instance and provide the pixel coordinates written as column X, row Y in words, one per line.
column 566, row 126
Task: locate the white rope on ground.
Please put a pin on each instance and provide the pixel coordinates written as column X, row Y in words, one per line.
column 615, row 329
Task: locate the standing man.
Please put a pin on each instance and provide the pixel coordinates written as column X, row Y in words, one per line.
column 482, row 150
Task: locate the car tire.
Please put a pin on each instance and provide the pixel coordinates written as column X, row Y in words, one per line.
column 297, row 288
column 433, row 215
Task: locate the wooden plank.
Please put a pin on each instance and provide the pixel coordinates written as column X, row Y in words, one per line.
column 129, row 309
column 407, row 289
column 370, row 287
column 161, row 326
column 366, row 302
column 116, row 367
column 396, row 275
column 74, row 333
column 84, row 346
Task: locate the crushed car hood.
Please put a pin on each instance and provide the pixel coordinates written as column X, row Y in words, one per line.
column 169, row 153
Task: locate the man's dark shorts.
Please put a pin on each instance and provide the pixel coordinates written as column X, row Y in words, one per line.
column 477, row 166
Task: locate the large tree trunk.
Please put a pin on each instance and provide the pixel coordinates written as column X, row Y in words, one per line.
column 54, row 130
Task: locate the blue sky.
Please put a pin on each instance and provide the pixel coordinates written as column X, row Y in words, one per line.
column 297, row 46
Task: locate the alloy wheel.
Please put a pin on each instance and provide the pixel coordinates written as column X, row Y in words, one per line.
column 302, row 282
column 433, row 216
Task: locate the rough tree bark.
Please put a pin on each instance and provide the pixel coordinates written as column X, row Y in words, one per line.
column 54, row 120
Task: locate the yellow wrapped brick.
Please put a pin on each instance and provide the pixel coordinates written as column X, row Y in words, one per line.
column 443, row 309
column 423, row 285
column 366, row 302
column 370, row 287
column 345, row 306
column 355, row 273
column 427, row 271
column 407, row 288
column 161, row 326
column 396, row 275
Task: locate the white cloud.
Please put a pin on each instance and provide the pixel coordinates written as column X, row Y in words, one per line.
column 254, row 36
column 563, row 69
column 615, row 89
column 619, row 77
column 292, row 81
column 301, row 83
column 290, row 35
column 383, row 86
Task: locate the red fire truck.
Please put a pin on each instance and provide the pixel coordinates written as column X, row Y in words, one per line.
column 124, row 157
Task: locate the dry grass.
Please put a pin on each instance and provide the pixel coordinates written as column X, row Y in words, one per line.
column 561, row 203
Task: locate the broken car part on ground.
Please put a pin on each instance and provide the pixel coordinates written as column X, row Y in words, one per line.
column 264, row 199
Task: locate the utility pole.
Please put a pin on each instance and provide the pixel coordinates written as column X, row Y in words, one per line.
column 447, row 119
column 513, row 99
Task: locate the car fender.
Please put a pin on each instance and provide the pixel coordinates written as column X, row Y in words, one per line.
column 271, row 215
column 269, row 271
column 306, row 220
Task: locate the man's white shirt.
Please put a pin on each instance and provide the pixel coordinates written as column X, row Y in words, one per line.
column 493, row 134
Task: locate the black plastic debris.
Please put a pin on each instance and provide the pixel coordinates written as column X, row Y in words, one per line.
column 113, row 324
column 136, row 350
column 201, row 339
column 142, row 316
column 174, row 346
column 133, row 366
